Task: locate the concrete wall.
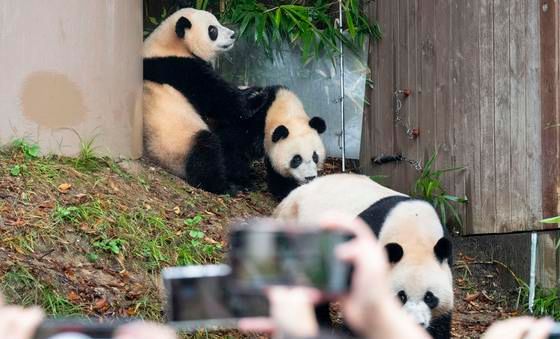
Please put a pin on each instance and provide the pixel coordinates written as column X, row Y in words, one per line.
column 72, row 68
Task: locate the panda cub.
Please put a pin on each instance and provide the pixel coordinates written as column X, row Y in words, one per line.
column 293, row 149
column 183, row 94
column 417, row 244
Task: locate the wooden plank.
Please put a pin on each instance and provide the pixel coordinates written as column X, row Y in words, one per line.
column 384, row 125
column 518, row 141
column 487, row 154
column 550, row 106
column 471, row 93
column 426, row 81
column 502, row 112
column 459, row 101
column 367, row 147
column 404, row 172
column 443, row 113
column 534, row 150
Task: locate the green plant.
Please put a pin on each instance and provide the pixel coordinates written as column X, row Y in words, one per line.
column 553, row 220
column 17, row 170
column 87, row 160
column 546, row 302
column 310, row 25
column 66, row 214
column 30, row 151
column 430, row 188
column 193, row 221
column 115, row 246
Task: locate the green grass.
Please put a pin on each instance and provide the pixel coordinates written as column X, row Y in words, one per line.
column 20, row 286
column 546, row 304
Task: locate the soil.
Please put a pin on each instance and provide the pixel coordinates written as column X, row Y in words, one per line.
column 89, row 236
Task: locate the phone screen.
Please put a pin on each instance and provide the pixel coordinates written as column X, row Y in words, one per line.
column 262, row 258
column 199, row 297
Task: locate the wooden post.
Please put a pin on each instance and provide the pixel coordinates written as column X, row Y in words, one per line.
column 550, row 103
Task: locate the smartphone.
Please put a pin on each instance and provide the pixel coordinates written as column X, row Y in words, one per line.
column 95, row 329
column 200, row 297
column 265, row 253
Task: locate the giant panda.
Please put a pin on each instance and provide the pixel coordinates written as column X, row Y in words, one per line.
column 293, row 149
column 183, row 95
column 418, row 246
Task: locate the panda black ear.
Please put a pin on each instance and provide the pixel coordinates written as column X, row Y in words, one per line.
column 181, row 25
column 281, row 132
column 394, row 252
column 443, row 249
column 318, row 124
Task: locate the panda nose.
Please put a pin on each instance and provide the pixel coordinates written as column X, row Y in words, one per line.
column 308, row 179
column 232, row 36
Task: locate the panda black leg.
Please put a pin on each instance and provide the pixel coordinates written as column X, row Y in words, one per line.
column 205, row 166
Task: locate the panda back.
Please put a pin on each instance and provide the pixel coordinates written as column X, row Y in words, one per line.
column 344, row 193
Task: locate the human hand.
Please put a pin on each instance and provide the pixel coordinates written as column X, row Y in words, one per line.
column 292, row 313
column 520, row 328
column 17, row 322
column 369, row 260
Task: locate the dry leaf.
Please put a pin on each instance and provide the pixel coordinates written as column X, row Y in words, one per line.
column 64, row 188
column 470, row 297
column 73, row 296
column 101, row 304
column 177, row 210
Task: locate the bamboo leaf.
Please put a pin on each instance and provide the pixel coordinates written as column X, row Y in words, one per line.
column 553, row 220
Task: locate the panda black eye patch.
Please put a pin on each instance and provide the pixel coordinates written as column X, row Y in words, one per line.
column 402, row 296
column 315, row 157
column 431, row 300
column 213, row 33
column 296, row 161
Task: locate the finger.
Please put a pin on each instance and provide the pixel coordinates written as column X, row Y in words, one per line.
column 25, row 322
column 260, row 325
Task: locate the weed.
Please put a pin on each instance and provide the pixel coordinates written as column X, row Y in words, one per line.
column 17, row 170
column 67, row 214
column 30, row 151
column 87, row 160
column 115, row 246
column 193, row 221
column 92, row 257
column 429, row 187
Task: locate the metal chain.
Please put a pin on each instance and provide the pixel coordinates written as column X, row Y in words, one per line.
column 397, row 106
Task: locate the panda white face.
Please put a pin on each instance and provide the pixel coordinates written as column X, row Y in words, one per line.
column 203, row 34
column 424, row 289
column 299, row 154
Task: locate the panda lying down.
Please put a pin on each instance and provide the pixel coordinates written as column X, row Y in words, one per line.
column 205, row 130
column 417, row 244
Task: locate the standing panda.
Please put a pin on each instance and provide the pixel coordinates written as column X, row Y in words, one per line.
column 417, row 244
column 293, row 149
column 183, row 93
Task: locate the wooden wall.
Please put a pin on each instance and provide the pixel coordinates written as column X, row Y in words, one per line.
column 474, row 68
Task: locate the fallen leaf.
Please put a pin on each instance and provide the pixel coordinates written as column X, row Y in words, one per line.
column 471, row 296
column 177, row 210
column 64, row 188
column 73, row 296
column 101, row 304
